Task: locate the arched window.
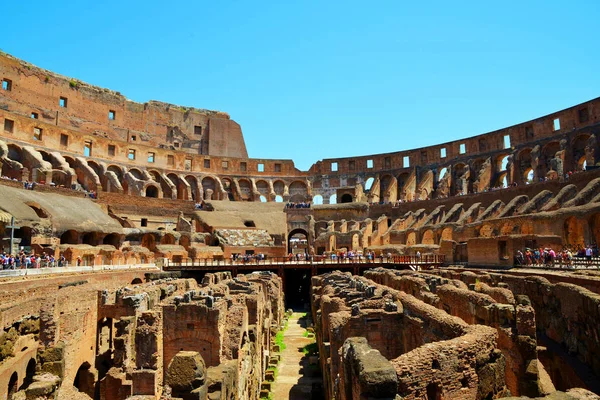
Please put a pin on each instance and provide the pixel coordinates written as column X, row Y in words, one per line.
column 333, row 199
column 151, row 191
column 318, row 200
column 263, row 199
column 369, row 183
column 278, row 199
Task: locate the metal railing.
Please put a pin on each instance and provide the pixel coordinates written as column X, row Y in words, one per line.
column 71, row 269
column 428, row 259
column 559, row 263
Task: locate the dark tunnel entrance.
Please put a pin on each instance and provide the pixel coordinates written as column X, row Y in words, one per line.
column 297, row 288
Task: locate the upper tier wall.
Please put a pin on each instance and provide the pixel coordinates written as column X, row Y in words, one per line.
column 178, row 136
column 69, row 103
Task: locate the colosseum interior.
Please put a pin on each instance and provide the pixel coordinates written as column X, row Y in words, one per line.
column 164, row 258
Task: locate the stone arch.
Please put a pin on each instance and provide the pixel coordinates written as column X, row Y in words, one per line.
column 293, row 233
column 278, row 199
column 13, row 384
column 446, row 234
column 137, row 174
column 279, row 187
column 185, row 242
column 263, row 188
column 547, row 153
column 149, row 241
column 84, row 379
column 13, row 170
column 228, row 187
column 89, row 238
column 99, row 171
column 298, row 191
column 179, row 185
column 136, row 281
column 29, row 372
column 458, row 185
column 428, row 237
column 402, row 179
column 113, row 239
column 578, row 145
column 245, row 189
column 168, row 239
column 346, row 198
column 411, row 239
column 164, row 185
column 384, row 184
column 194, row 188
column 209, row 183
column 69, row 237
column 152, row 191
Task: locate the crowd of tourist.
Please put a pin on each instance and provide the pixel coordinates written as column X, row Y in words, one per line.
column 304, row 204
column 32, row 185
column 549, row 258
column 26, row 261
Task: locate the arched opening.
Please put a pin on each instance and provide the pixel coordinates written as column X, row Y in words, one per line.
column 333, row 199
column 194, row 189
column 369, row 183
column 84, row 380
column 298, row 191
column 428, row 237
column 13, row 384
column 149, row 241
column 298, row 241
column 263, row 199
column 279, row 187
column 137, row 174
column 114, row 239
column 263, row 188
column 346, row 198
column 185, row 242
column 209, row 183
column 89, row 238
column 578, row 146
column 136, row 281
column 317, row 200
column 69, row 237
column 167, row 239
column 227, row 186
column 29, row 373
column 278, row 199
column 152, row 191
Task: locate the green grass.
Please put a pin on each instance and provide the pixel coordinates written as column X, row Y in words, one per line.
column 279, row 339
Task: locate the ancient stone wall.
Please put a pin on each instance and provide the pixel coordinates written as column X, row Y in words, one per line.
column 420, row 342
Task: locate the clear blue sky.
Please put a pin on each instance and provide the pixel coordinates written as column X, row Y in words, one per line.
column 312, row 80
